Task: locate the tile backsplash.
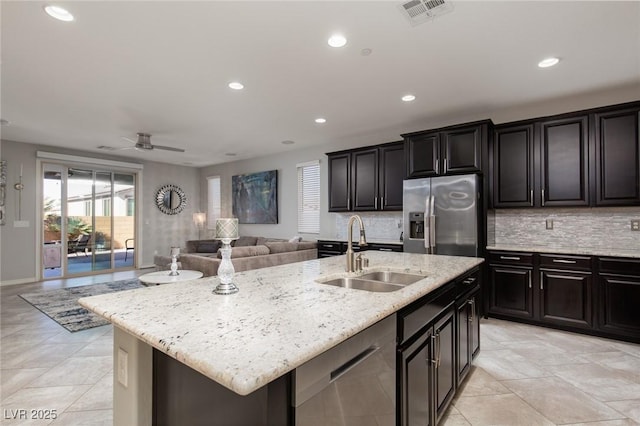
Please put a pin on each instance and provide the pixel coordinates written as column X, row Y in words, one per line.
column 600, row 227
column 379, row 226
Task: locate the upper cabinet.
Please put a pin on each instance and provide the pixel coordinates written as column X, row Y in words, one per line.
column 590, row 158
column 366, row 179
column 450, row 150
column 617, row 157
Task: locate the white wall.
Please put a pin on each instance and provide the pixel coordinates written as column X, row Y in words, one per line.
column 158, row 231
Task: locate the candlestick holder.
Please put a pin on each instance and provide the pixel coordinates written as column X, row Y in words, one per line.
column 175, row 252
column 226, row 231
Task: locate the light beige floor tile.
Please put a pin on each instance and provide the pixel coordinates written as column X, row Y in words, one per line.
column 99, row 347
column 619, row 361
column 56, row 398
column 505, row 331
column 543, row 353
column 15, row 379
column 76, row 371
column 507, row 365
column 600, row 382
column 508, row 410
column 479, row 382
column 85, row 418
column 99, row 397
column 576, row 343
column 630, row 408
column 80, row 336
column 624, row 422
column 630, row 348
column 559, row 401
column 40, row 356
column 454, row 419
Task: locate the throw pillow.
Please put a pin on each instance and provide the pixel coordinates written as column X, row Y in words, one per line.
column 208, row 247
column 245, row 241
column 282, row 247
column 246, row 251
column 295, row 239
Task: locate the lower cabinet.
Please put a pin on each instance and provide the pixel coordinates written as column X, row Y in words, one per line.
column 618, row 297
column 594, row 295
column 435, row 337
column 328, row 248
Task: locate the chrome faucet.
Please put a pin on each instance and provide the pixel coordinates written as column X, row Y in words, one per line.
column 351, row 264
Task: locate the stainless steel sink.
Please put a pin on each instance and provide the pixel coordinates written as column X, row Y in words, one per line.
column 399, row 278
column 367, row 285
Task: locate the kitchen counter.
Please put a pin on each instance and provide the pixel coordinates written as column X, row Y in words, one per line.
column 280, row 319
column 589, row 251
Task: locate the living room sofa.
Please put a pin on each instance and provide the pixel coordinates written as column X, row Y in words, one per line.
column 246, row 253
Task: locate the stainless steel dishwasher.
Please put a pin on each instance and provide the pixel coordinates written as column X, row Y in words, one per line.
column 352, row 383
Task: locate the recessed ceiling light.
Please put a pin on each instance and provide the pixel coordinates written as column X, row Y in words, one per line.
column 321, row 120
column 548, row 62
column 288, row 142
column 230, row 154
column 337, row 40
column 236, row 85
column 58, row 13
column 408, row 98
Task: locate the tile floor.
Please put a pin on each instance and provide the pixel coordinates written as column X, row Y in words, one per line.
column 525, row 375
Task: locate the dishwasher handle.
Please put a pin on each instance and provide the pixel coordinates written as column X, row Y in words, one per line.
column 344, row 368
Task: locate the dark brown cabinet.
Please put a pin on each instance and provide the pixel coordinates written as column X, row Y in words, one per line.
column 417, row 375
column 618, row 296
column 511, row 290
column 444, row 362
column 328, row 248
column 564, row 153
column 450, row 150
column 513, row 179
column 467, row 328
column 367, row 179
column 565, row 290
column 617, row 157
column 587, row 158
column 339, row 182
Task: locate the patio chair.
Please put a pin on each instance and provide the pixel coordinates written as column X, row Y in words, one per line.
column 80, row 244
column 128, row 245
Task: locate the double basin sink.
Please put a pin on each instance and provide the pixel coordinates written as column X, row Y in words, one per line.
column 379, row 282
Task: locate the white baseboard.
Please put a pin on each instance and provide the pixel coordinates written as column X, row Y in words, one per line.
column 19, row 281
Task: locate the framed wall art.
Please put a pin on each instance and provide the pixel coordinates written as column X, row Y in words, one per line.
column 255, row 197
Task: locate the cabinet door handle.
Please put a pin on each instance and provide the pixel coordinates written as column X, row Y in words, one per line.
column 473, row 309
column 529, row 279
column 437, row 166
column 384, row 249
column 531, row 198
column 381, row 203
column 542, row 197
column 445, row 166
column 469, row 280
column 376, row 204
column 434, row 358
column 509, row 258
column 541, row 280
column 564, row 261
column 439, row 350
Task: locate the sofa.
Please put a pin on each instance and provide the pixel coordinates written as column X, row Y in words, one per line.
column 246, row 253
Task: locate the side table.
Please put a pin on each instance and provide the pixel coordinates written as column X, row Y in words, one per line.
column 163, row 277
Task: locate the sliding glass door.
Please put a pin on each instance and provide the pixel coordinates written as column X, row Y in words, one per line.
column 88, row 218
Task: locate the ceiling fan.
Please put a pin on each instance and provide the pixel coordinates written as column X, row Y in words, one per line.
column 144, row 144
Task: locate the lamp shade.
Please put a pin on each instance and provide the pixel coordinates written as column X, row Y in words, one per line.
column 175, row 251
column 227, row 228
column 199, row 219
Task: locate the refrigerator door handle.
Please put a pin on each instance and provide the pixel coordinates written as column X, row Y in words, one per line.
column 432, row 224
column 427, row 226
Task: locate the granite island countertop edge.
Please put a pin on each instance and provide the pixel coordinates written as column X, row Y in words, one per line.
column 275, row 306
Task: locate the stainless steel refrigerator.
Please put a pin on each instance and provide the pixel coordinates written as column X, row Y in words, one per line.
column 441, row 215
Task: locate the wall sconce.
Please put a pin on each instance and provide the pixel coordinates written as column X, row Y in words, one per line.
column 199, row 219
column 226, row 230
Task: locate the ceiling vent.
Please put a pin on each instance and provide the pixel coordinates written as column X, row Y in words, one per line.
column 420, row 11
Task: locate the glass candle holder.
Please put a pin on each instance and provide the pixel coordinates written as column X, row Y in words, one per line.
column 175, row 252
column 226, row 231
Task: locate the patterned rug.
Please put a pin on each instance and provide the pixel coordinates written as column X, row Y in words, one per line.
column 62, row 305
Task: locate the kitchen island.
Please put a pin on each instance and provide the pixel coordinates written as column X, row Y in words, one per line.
column 281, row 318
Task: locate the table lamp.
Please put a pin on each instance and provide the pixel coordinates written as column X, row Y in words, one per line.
column 226, row 230
column 175, row 252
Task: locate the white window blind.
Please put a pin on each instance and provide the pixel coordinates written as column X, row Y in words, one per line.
column 213, row 212
column 309, row 197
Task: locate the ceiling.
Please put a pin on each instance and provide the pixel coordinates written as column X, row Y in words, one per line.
column 163, row 68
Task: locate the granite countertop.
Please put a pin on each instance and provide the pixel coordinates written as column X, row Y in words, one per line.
column 589, row 251
column 278, row 320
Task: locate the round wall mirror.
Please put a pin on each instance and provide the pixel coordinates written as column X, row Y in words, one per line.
column 170, row 199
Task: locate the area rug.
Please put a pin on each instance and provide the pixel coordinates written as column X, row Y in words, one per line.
column 62, row 305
